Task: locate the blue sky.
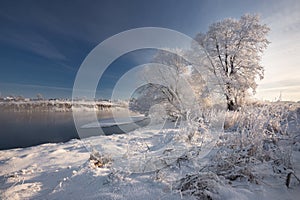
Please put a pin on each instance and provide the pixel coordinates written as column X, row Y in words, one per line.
column 43, row 43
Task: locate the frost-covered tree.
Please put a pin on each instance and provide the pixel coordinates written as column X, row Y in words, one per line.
column 39, row 96
column 145, row 97
column 173, row 83
column 234, row 48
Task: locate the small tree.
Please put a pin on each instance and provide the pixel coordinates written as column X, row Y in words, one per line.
column 39, row 96
column 234, row 48
column 145, row 97
column 173, row 84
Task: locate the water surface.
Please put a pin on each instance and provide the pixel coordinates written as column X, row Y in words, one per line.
column 24, row 129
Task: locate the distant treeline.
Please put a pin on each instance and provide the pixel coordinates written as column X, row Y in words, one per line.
column 48, row 105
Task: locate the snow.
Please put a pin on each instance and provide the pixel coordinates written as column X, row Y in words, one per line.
column 114, row 121
column 62, row 171
column 147, row 163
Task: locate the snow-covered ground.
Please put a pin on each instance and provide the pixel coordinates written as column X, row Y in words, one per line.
column 149, row 163
column 107, row 122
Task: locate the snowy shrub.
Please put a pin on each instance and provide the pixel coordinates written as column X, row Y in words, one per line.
column 201, row 185
column 98, row 160
column 254, row 135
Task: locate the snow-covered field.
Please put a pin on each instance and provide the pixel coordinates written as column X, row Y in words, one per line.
column 252, row 159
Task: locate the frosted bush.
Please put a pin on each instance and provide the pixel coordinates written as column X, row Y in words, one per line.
column 254, row 135
column 203, row 186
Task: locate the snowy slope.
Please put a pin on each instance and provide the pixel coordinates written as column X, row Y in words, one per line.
column 63, row 171
column 146, row 164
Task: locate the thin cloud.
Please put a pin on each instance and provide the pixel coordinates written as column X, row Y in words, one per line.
column 282, row 72
column 292, row 88
column 33, row 42
column 37, row 86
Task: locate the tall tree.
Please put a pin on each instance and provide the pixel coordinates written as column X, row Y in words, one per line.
column 234, row 48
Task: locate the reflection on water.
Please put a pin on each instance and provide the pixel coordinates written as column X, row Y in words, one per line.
column 24, row 129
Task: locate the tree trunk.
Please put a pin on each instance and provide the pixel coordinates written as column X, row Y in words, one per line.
column 231, row 106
